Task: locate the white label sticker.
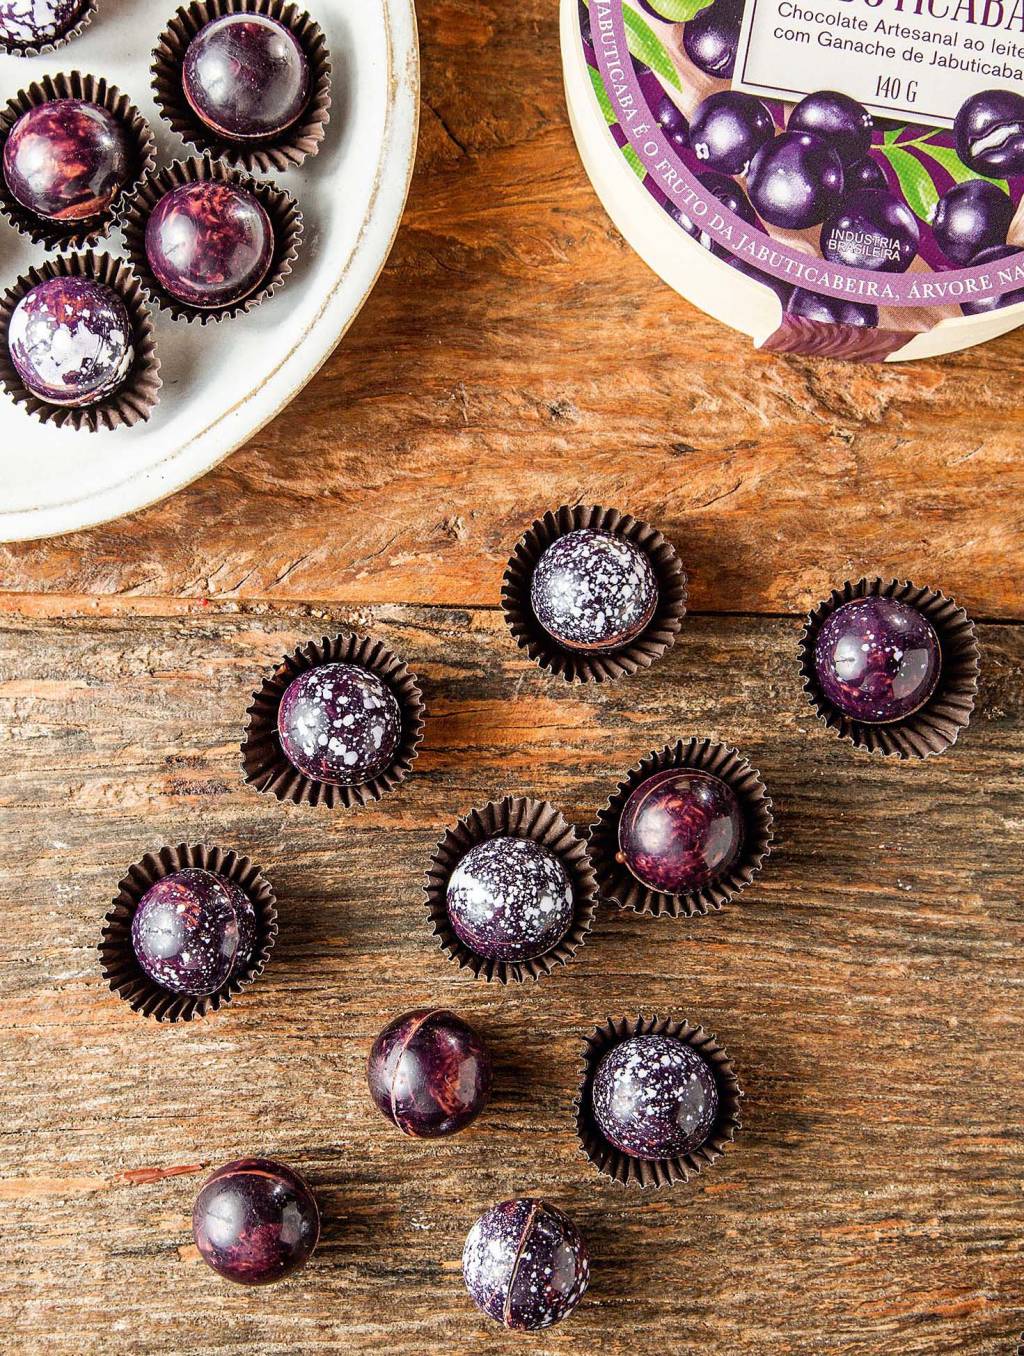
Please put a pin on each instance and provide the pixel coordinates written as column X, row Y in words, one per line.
column 915, row 60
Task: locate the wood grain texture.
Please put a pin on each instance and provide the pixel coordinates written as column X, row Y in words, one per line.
column 517, row 355
column 868, row 987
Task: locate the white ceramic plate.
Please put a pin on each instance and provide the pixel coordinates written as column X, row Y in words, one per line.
column 224, row 382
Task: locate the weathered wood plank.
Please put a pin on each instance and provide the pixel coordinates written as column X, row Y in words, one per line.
column 517, row 355
column 869, row 987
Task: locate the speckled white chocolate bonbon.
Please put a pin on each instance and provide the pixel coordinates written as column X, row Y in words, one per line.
column 525, row 1264
column 193, row 930
column 593, row 591
column 24, row 22
column 510, row 899
column 339, row 724
column 654, row 1097
column 71, row 341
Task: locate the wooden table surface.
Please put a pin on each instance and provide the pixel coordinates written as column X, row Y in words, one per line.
column 515, row 356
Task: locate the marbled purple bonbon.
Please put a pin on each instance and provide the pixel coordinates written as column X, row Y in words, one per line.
column 510, row 899
column 209, row 244
column 66, row 160
column 831, row 310
column 866, row 173
column 654, row 1098
column 339, row 724
column 711, row 37
column 593, row 591
column 873, row 229
column 680, row 829
column 525, row 1265
column 989, row 133
column 877, row 660
column 255, row 1221
column 429, row 1073
column 795, row 181
column 1010, row 297
column 246, row 77
column 192, row 931
column 841, row 121
column 24, row 23
column 672, row 122
column 971, row 217
column 728, row 129
column 71, row 341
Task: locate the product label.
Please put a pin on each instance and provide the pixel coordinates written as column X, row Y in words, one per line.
column 866, row 190
column 918, row 59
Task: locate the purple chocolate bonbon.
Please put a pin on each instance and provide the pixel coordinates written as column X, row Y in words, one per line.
column 972, row 217
column 873, row 229
column 525, row 1264
column 728, row 129
column 510, row 899
column 593, row 591
column 795, row 181
column 192, row 931
column 246, row 77
column 255, row 1221
column 841, row 121
column 711, row 37
column 71, row 341
column 877, row 660
column 429, row 1073
column 339, row 724
column 26, row 23
column 680, row 829
column 831, row 310
column 654, row 1097
column 989, row 133
column 209, row 244
column 66, row 160
column 1013, row 294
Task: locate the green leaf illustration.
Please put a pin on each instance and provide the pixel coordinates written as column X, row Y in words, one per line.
column 679, row 11
column 602, row 96
column 646, row 47
column 915, row 181
column 893, row 134
column 953, row 165
column 634, row 162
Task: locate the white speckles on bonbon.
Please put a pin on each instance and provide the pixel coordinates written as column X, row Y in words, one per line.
column 654, row 1097
column 30, row 21
column 525, row 1264
column 510, row 899
column 339, row 724
column 593, row 591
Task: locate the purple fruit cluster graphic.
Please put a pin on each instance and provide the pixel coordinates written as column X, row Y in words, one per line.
column 1008, row 298
column 873, row 229
column 989, row 132
column 672, row 122
column 796, row 181
column 710, row 38
column 831, row 310
column 841, row 121
column 729, row 129
column 970, row 218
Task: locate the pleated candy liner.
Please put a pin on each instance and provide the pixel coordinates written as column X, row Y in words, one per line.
column 513, row 817
column 141, row 150
column 31, row 49
column 122, row 971
column 618, row 884
column 589, row 667
column 133, row 402
column 638, row 1172
column 280, row 206
column 264, row 765
column 936, row 725
column 290, row 147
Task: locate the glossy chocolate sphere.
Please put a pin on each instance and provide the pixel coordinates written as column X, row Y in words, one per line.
column 877, row 659
column 525, row 1264
column 680, row 829
column 340, row 724
column 989, row 133
column 71, row 341
column 429, row 1073
column 872, row 229
column 654, row 1097
column 209, row 244
column 193, row 930
column 24, row 23
column 255, row 1221
column 593, row 591
column 66, row 160
column 246, row 77
column 510, row 899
